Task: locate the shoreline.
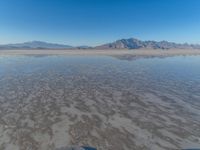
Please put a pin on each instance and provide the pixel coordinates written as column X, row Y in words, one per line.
column 117, row 52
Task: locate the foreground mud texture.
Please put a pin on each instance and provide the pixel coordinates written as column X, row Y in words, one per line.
column 99, row 106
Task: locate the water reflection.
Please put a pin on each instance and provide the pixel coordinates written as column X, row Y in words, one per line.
column 51, row 101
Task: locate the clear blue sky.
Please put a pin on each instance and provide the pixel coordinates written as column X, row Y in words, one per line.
column 93, row 22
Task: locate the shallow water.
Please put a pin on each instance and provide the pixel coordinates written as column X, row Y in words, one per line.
column 49, row 102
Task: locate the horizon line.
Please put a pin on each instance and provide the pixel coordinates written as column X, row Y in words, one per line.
column 67, row 44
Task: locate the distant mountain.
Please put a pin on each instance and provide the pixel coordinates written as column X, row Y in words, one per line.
column 130, row 43
column 35, row 45
column 84, row 47
column 133, row 43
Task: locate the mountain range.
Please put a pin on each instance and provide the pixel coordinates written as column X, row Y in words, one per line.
column 35, row 45
column 130, row 43
column 133, row 43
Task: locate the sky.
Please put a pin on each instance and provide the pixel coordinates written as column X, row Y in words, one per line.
column 94, row 22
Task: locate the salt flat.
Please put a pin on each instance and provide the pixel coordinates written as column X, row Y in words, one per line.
column 51, row 101
column 114, row 52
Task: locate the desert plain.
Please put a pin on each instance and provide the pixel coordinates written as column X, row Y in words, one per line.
column 50, row 99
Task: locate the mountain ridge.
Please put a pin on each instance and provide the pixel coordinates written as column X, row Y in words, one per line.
column 130, row 43
column 35, row 45
column 133, row 43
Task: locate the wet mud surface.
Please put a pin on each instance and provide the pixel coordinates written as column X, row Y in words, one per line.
column 47, row 103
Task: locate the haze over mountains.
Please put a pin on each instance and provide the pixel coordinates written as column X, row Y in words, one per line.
column 35, row 45
column 130, row 43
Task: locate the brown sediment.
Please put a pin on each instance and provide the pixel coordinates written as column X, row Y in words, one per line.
column 48, row 110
